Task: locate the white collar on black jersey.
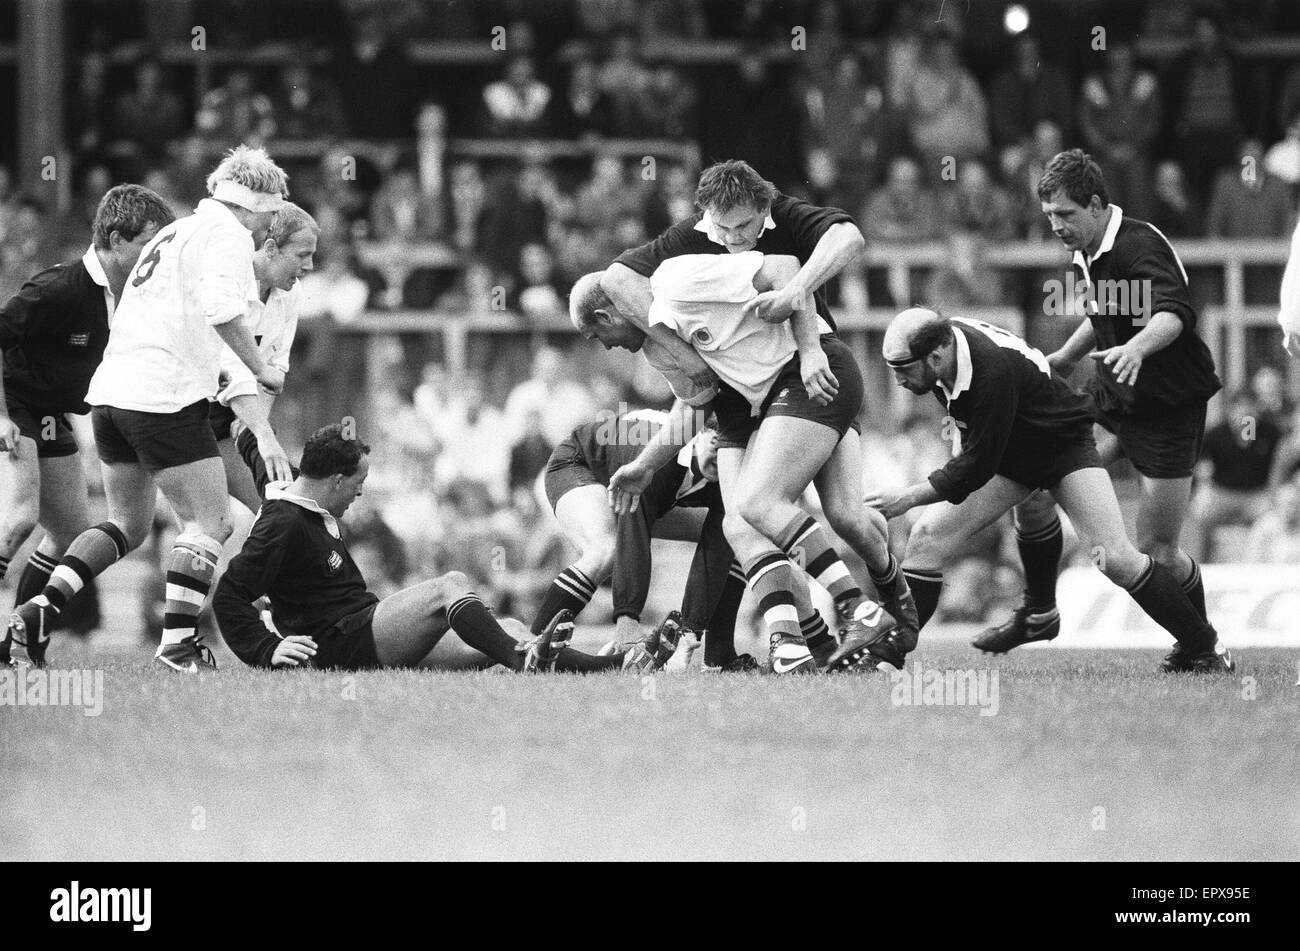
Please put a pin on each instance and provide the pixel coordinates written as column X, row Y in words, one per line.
column 1107, row 239
column 280, row 491
column 95, row 268
column 964, row 368
column 705, row 224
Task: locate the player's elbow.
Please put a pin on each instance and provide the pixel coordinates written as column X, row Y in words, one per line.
column 850, row 238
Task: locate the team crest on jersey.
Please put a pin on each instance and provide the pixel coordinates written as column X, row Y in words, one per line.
column 79, row 340
column 333, row 563
column 702, row 337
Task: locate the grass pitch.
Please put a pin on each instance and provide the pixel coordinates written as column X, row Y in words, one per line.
column 1091, row 755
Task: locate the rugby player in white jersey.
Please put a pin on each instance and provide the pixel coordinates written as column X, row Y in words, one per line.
column 759, row 364
column 284, row 257
column 186, row 296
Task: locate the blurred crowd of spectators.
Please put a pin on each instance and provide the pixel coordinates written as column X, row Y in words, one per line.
column 926, row 130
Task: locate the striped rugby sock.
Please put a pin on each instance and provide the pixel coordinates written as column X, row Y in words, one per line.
column 89, row 554
column 571, row 589
column 189, row 578
column 772, row 579
column 820, row 560
column 4, row 568
column 35, row 576
column 815, row 631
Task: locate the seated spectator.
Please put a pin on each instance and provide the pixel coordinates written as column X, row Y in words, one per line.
column 672, row 198
column 519, row 208
column 150, row 115
column 468, row 194
column 307, row 105
column 849, row 131
column 1268, row 386
column 1237, row 457
column 476, row 440
column 88, row 113
column 667, row 107
column 582, row 109
column 947, row 112
column 1174, row 210
column 562, row 403
column 333, row 291
column 964, row 280
column 1027, row 92
column 1022, row 168
column 516, row 105
column 1119, row 116
column 623, row 78
column 399, row 211
column 539, row 298
column 1275, row 537
column 903, row 209
column 607, row 195
column 236, row 112
column 1248, row 200
column 977, row 203
column 1207, row 114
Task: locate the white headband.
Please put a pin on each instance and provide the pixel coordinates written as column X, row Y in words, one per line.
column 245, row 197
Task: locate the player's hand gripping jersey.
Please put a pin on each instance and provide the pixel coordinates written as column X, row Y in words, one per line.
column 700, row 297
column 273, row 325
column 163, row 353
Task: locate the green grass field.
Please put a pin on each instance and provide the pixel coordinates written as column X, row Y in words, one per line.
column 1091, row 755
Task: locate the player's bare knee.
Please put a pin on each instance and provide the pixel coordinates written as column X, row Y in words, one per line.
column 18, row 525
column 925, row 544
column 738, row 532
column 1164, row 553
column 597, row 559
column 452, row 585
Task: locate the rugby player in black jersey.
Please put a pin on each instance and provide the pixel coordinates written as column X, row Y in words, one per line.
column 1153, row 377
column 1021, row 428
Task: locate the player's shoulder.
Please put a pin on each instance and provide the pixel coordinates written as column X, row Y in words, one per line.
column 57, row 283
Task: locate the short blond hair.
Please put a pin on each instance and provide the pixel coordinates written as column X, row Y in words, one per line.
column 288, row 221
column 252, row 168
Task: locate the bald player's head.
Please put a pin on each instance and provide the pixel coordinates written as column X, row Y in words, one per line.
column 918, row 348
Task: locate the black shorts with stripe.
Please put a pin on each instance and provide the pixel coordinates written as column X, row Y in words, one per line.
column 788, row 397
column 154, row 441
column 220, row 418
column 50, row 430
column 1160, row 447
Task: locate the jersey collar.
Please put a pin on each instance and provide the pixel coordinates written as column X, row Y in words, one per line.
column 1107, row 239
column 94, row 267
column 964, row 368
column 705, row 225
column 280, row 491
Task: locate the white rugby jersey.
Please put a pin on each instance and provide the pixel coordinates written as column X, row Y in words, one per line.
column 273, row 325
column 700, row 297
column 163, row 353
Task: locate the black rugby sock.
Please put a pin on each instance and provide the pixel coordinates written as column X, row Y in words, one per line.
column 926, row 587
column 1040, row 554
column 1163, row 598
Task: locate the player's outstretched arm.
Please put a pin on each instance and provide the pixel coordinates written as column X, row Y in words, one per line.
column 1126, row 361
column 253, row 414
column 835, row 250
column 628, row 483
column 1064, row 360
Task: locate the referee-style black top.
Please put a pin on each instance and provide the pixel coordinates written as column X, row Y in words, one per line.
column 1004, row 406
column 799, row 226
column 1180, row 375
column 292, row 556
column 53, row 333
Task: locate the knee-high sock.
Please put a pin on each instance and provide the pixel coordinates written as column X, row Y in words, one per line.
column 720, row 641
column 1040, row 554
column 570, row 661
column 35, row 576
column 474, row 624
column 1164, row 599
column 189, row 578
column 820, row 560
column 89, row 554
column 771, row 578
column 1195, row 591
column 4, row 569
column 571, row 589
column 926, row 587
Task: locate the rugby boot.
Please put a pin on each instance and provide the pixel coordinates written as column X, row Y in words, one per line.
column 188, row 656
column 29, row 634
column 869, row 624
column 1023, row 627
column 542, row 651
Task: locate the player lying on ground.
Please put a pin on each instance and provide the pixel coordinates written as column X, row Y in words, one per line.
column 283, row 258
column 1021, row 428
column 681, row 503
column 1154, row 376
column 53, row 333
column 187, row 294
column 790, row 393
column 296, row 555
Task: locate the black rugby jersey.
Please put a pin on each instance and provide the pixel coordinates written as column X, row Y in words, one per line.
column 1005, row 400
column 1134, row 275
column 797, row 227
